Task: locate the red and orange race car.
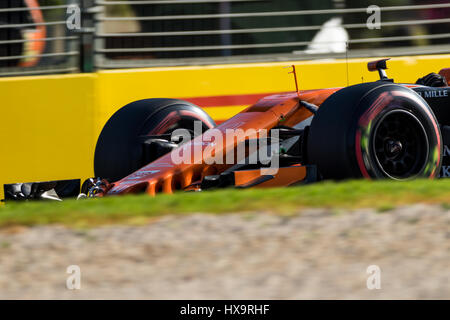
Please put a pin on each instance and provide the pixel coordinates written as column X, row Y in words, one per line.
column 371, row 130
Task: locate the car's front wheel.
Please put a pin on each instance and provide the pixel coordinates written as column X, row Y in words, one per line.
column 119, row 151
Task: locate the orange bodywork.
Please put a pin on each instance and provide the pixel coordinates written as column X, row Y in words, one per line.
column 163, row 175
column 285, row 176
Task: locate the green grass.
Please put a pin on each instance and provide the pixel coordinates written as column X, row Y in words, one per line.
column 382, row 195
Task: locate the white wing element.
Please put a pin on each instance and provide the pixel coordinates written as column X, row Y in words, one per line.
column 331, row 38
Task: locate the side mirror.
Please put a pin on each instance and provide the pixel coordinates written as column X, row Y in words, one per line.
column 446, row 74
column 379, row 65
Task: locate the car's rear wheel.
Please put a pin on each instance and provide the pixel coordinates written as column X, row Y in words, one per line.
column 119, row 151
column 375, row 130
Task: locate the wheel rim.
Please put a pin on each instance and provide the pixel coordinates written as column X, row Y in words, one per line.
column 400, row 145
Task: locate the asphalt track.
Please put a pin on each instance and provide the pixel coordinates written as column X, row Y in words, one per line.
column 317, row 253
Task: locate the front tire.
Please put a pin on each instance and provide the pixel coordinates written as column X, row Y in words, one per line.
column 119, row 150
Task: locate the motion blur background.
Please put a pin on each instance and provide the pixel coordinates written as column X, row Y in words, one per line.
column 59, row 87
column 34, row 38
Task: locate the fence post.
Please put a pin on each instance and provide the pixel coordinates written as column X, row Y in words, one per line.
column 87, row 31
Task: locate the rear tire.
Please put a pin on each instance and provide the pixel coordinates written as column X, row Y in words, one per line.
column 119, row 150
column 375, row 130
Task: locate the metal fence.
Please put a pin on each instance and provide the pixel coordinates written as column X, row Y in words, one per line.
column 145, row 33
column 180, row 32
column 34, row 39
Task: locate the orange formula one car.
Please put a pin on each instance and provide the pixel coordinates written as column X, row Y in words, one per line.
column 373, row 130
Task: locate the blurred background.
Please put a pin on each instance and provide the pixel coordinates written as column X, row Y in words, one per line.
column 49, row 126
column 35, row 39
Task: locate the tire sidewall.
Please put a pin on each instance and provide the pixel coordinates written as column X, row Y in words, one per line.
column 118, row 151
column 380, row 102
column 333, row 144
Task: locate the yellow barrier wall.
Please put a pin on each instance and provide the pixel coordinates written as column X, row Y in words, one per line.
column 122, row 86
column 49, row 124
column 46, row 128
